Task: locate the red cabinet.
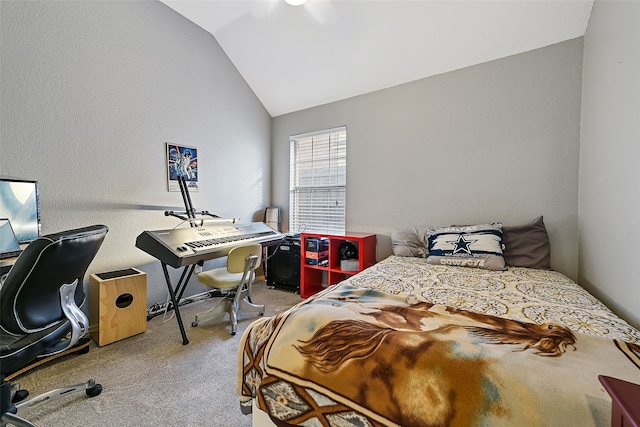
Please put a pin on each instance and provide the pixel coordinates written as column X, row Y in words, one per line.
column 316, row 275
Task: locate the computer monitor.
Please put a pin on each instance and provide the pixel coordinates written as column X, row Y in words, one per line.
column 20, row 204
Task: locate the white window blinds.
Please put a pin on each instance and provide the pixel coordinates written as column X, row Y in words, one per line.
column 317, row 182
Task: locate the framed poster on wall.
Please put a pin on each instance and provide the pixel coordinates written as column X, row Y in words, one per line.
column 182, row 161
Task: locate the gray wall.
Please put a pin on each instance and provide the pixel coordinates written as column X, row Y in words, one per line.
column 609, row 209
column 90, row 93
column 494, row 142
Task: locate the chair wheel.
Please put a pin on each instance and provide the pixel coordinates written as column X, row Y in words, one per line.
column 19, row 396
column 83, row 350
column 194, row 324
column 233, row 332
column 94, row 391
column 261, row 313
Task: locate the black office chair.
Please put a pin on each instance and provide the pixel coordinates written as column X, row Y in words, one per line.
column 40, row 315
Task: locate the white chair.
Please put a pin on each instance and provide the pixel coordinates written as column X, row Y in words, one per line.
column 236, row 279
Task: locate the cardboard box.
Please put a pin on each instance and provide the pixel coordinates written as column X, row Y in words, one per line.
column 317, row 258
column 316, row 244
column 318, row 255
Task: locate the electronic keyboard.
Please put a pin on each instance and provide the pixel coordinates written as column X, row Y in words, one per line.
column 179, row 247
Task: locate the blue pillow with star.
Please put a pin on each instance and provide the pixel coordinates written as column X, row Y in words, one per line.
column 475, row 246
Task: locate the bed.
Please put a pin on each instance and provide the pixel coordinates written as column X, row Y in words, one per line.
column 432, row 337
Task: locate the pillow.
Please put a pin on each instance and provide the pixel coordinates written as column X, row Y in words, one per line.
column 469, row 246
column 410, row 242
column 527, row 245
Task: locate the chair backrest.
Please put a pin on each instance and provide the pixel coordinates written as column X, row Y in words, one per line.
column 238, row 255
column 29, row 298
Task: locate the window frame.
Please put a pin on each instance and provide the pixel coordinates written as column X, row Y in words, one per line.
column 317, row 181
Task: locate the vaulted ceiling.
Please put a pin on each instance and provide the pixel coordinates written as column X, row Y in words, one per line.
column 296, row 57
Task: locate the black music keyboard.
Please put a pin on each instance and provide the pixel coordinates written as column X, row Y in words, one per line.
column 185, row 246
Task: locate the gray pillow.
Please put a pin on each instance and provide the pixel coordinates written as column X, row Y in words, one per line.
column 527, row 245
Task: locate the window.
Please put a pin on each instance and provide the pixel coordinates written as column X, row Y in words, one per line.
column 318, row 184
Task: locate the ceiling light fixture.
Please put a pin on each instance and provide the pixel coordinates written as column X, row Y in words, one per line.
column 296, row 2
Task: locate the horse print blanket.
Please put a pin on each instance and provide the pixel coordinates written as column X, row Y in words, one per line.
column 360, row 357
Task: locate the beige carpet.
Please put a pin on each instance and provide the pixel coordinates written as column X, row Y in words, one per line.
column 152, row 379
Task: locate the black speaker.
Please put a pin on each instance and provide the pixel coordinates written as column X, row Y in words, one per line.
column 283, row 265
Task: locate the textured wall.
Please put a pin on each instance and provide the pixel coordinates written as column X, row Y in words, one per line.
column 90, row 93
column 494, row 142
column 609, row 154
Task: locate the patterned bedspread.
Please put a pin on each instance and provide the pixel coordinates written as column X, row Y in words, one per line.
column 517, row 293
column 410, row 344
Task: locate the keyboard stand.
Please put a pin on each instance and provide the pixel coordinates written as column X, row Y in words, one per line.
column 176, row 294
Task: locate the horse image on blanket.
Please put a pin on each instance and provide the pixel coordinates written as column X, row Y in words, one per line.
column 432, row 338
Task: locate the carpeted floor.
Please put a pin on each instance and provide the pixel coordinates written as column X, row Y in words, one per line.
column 151, row 379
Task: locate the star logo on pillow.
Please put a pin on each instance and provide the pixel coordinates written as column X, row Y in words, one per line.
column 461, row 245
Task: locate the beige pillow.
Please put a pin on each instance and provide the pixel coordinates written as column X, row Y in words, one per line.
column 410, row 242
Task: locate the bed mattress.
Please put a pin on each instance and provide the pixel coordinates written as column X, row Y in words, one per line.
column 407, row 343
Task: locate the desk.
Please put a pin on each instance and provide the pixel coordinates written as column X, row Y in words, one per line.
column 625, row 401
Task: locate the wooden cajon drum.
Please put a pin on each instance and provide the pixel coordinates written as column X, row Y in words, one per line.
column 117, row 305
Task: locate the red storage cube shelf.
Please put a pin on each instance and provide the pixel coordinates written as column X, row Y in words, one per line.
column 317, row 276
